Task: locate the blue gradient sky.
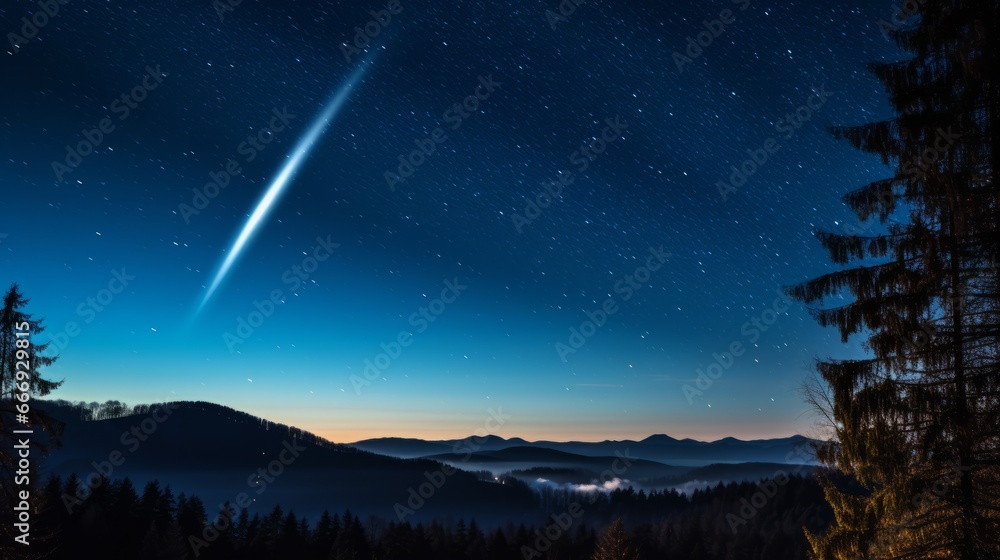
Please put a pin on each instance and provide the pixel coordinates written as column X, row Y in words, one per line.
column 495, row 345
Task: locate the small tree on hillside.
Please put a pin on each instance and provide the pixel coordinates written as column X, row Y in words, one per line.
column 615, row 544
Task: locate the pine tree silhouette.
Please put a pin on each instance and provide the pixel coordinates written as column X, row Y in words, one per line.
column 615, row 544
column 920, row 413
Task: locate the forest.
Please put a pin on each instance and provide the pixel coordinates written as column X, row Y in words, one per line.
column 120, row 521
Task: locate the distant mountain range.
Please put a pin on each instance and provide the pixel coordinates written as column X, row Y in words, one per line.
column 217, row 452
column 660, row 448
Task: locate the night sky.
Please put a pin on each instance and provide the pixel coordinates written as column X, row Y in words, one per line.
column 119, row 267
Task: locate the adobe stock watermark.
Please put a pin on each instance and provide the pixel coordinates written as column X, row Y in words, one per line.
column 293, row 278
column 89, row 308
column 561, row 523
column 768, row 489
column 901, row 13
column 939, row 488
column 222, row 7
column 257, row 481
column 364, row 35
column 566, row 8
column 544, row 538
column 714, row 29
column 626, row 288
column 581, row 158
column 419, row 320
column 131, row 439
column 751, row 332
column 943, row 141
column 454, row 116
column 32, row 25
column 249, row 149
column 786, row 127
column 418, row 497
column 121, row 106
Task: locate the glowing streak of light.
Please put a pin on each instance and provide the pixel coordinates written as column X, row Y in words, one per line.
column 285, row 176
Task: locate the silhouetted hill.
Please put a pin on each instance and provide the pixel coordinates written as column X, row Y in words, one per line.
column 216, row 452
column 408, row 448
column 584, row 469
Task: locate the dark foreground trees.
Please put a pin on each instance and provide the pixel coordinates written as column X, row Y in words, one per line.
column 918, row 421
column 119, row 520
column 22, row 356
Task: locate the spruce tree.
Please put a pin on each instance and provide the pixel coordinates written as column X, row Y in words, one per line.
column 22, row 357
column 21, row 360
column 615, row 544
column 916, row 420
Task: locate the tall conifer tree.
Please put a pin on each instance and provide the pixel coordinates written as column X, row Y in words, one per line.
column 916, row 422
column 21, row 360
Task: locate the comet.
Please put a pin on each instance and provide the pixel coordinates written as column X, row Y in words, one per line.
column 284, row 177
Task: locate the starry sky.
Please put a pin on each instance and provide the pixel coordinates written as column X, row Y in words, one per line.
column 117, row 252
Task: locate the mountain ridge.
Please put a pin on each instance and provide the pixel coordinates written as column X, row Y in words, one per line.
column 654, row 438
column 658, row 447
